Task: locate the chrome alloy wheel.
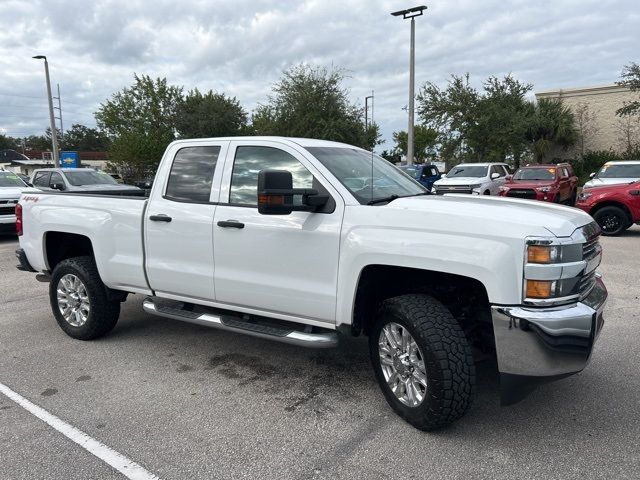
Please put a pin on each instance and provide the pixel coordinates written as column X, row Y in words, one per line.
column 402, row 364
column 73, row 300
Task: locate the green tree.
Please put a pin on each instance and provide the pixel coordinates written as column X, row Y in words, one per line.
column 478, row 125
column 552, row 124
column 311, row 102
column 424, row 142
column 210, row 115
column 140, row 121
column 85, row 139
column 630, row 79
column 7, row 142
column 38, row 142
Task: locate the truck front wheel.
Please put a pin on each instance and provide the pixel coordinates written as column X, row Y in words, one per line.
column 79, row 299
column 422, row 361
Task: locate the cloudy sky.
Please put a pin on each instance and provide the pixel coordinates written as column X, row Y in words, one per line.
column 240, row 47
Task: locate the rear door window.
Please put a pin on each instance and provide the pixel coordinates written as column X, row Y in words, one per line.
column 191, row 174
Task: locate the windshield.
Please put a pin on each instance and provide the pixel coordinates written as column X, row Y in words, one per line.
column 619, row 171
column 8, row 179
column 476, row 171
column 535, row 174
column 89, row 177
column 413, row 172
column 368, row 177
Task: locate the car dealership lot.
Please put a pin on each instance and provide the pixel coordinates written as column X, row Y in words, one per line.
column 188, row 402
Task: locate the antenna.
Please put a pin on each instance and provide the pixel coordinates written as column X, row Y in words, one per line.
column 366, row 128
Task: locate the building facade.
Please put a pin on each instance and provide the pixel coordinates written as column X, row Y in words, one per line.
column 599, row 127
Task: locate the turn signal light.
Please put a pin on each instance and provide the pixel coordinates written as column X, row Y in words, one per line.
column 541, row 254
column 539, row 288
column 271, row 199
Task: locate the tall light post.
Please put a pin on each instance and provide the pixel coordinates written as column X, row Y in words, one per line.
column 54, row 135
column 411, row 13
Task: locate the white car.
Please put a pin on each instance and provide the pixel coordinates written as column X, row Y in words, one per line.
column 613, row 173
column 303, row 241
column 11, row 187
column 473, row 178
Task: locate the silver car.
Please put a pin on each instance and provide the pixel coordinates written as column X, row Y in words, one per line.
column 81, row 180
column 612, row 173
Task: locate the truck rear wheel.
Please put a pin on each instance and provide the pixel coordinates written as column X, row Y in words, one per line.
column 79, row 299
column 422, row 361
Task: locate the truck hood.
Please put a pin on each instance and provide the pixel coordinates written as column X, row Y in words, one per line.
column 529, row 183
column 11, row 192
column 600, row 182
column 460, row 181
column 495, row 213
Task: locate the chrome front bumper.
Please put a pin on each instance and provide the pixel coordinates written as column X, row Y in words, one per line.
column 537, row 345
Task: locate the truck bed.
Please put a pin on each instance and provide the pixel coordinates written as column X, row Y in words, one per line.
column 113, row 224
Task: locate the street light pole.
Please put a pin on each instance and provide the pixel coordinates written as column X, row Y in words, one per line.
column 411, row 13
column 54, row 135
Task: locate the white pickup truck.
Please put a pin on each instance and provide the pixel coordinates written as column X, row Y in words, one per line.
column 303, row 241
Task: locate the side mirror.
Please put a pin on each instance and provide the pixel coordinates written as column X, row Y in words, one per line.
column 276, row 192
column 495, row 175
column 508, row 178
column 592, row 174
column 57, row 186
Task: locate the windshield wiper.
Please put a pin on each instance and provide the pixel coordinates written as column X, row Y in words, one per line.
column 393, row 197
column 388, row 199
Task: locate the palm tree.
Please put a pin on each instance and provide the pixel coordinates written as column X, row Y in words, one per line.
column 552, row 124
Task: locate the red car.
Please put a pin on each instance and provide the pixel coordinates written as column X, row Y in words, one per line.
column 614, row 207
column 549, row 183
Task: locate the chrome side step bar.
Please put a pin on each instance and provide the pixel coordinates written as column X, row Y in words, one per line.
column 326, row 339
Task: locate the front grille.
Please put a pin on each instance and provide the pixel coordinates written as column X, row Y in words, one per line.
column 586, row 284
column 590, row 248
column 522, row 193
column 442, row 189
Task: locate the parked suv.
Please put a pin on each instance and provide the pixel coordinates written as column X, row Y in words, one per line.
column 425, row 174
column 11, row 187
column 612, row 173
column 614, row 207
column 549, row 183
column 85, row 180
column 473, row 178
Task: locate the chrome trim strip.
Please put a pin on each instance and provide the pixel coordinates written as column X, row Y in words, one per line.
column 302, row 339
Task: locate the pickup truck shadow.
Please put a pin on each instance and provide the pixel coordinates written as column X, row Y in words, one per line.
column 339, row 385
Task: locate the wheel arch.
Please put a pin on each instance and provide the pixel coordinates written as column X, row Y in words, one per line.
column 59, row 246
column 465, row 297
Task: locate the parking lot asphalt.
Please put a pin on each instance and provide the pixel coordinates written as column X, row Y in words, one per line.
column 188, row 402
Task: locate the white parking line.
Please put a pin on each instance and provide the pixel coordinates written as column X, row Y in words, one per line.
column 128, row 468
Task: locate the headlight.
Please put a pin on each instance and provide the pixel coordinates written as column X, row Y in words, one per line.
column 543, row 253
column 544, row 189
column 584, row 195
column 475, row 187
column 503, row 188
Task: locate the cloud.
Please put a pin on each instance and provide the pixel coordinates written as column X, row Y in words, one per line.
column 240, row 47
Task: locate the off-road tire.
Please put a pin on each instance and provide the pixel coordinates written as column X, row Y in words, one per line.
column 601, row 215
column 447, row 356
column 103, row 314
